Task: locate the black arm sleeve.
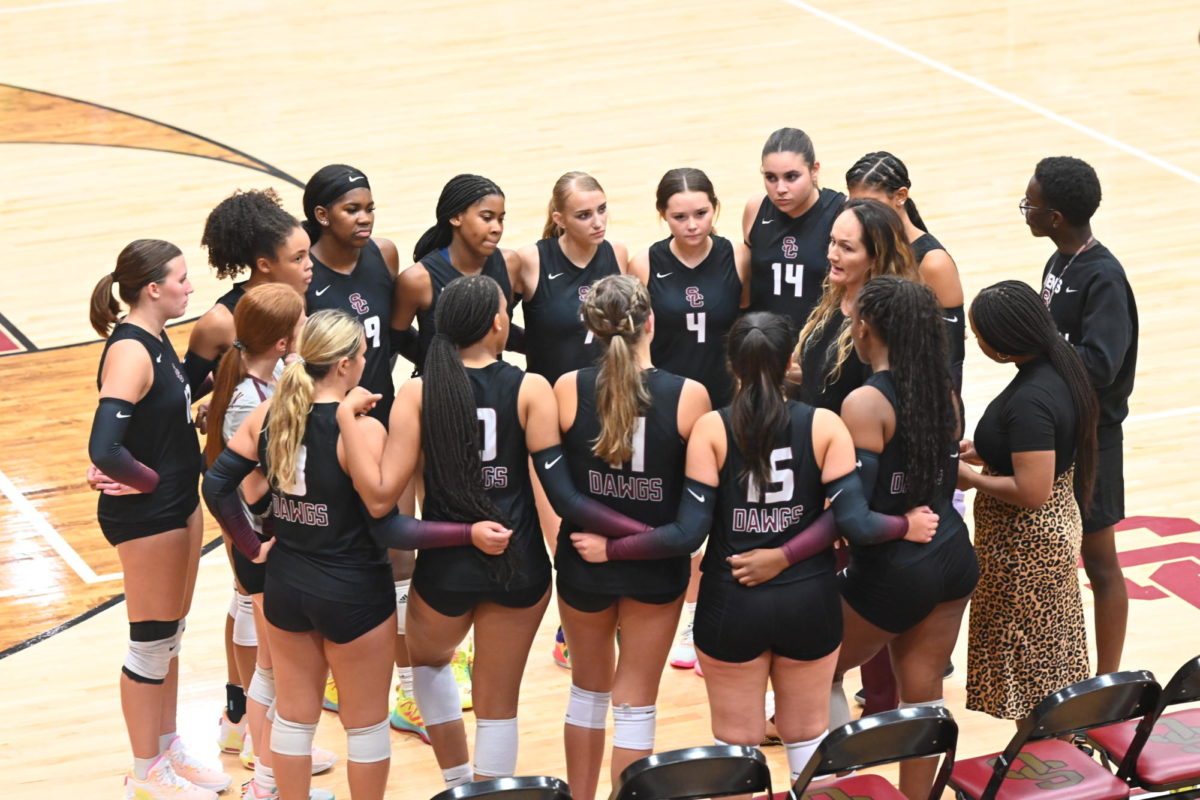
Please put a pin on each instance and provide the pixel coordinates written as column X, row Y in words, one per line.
column 856, row 521
column 406, row 342
column 516, row 339
column 570, row 503
column 107, row 450
column 399, row 531
column 677, row 538
column 221, row 496
column 198, row 371
column 868, row 467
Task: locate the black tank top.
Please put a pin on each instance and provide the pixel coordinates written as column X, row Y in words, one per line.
column 505, row 477
column 887, row 496
column 646, row 488
column 694, row 308
column 441, row 272
column 749, row 518
column 956, row 320
column 817, row 358
column 160, row 435
column 788, row 257
column 230, row 299
column 366, row 293
column 556, row 340
column 322, row 544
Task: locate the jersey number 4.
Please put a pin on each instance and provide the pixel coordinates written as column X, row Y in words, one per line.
column 780, row 476
column 788, row 273
column 696, row 321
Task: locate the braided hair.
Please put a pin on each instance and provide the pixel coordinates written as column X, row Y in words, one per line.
column 884, row 171
column 1011, row 318
column 460, row 193
column 906, row 317
column 758, row 346
column 245, row 227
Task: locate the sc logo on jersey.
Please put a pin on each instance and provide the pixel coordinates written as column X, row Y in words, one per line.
column 790, row 249
column 693, row 296
column 584, row 291
column 359, row 304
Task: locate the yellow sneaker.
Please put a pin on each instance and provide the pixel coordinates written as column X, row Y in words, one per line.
column 231, row 734
column 462, row 664
column 330, row 701
column 406, row 717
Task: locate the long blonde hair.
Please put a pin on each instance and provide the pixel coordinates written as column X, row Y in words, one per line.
column 327, row 337
column 884, row 240
column 616, row 311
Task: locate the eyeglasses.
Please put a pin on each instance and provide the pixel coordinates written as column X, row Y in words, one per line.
column 1025, row 207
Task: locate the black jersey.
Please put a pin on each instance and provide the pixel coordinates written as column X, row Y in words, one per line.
column 817, row 359
column 366, row 293
column 1093, row 308
column 788, row 257
column 646, row 488
column 694, row 308
column 230, row 299
column 441, row 272
column 505, row 477
column 556, row 340
column 322, row 543
column 750, row 517
column 956, row 319
column 160, row 435
column 1034, row 412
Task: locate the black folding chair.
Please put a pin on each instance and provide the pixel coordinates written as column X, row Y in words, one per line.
column 1038, row 765
column 695, row 772
column 1170, row 757
column 879, row 739
column 533, row 787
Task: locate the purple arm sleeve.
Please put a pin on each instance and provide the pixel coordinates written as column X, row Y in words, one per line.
column 817, row 537
column 220, row 495
column 588, row 514
column 401, row 532
column 680, row 537
column 107, row 451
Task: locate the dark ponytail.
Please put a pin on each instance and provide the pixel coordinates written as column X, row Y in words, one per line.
column 142, row 262
column 243, row 228
column 791, row 140
column 883, row 171
column 324, row 188
column 460, row 193
column 758, row 345
column 1011, row 318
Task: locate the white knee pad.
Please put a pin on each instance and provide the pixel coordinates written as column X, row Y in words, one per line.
column 496, row 747
column 177, row 642
column 939, row 703
column 233, row 605
column 401, row 604
column 292, row 738
column 719, row 743
column 271, row 713
column 633, row 727
column 799, row 754
column 588, row 709
column 370, row 744
column 152, row 645
column 244, row 633
column 437, row 694
column 262, row 686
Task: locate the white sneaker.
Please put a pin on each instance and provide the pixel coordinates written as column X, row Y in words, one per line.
column 322, row 759
column 683, row 655
column 250, row 791
column 163, row 784
column 191, row 770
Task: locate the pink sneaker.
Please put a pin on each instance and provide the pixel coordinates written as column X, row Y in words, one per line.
column 191, row 770
column 163, row 784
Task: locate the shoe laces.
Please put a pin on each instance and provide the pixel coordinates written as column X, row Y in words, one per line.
column 686, row 636
column 169, row 777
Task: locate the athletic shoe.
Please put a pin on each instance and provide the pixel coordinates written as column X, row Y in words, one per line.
column 163, row 784
column 461, row 664
column 406, row 717
column 247, row 754
column 330, row 701
column 683, row 655
column 231, row 734
column 322, row 759
column 188, row 768
column 560, row 654
column 250, row 791
column 699, row 671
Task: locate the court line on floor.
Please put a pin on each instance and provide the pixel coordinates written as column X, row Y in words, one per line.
column 1003, row 94
column 1166, row 414
column 63, row 4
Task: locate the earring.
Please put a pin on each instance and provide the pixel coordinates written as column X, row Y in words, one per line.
column 325, row 222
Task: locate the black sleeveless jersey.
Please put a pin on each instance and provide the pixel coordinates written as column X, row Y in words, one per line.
column 817, row 358
column 956, row 319
column 887, row 496
column 160, row 435
column 749, row 517
column 646, row 488
column 230, row 299
column 505, row 477
column 694, row 308
column 556, row 340
column 788, row 257
column 323, row 546
column 366, row 293
column 441, row 272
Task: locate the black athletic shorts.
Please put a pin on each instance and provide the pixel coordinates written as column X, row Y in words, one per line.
column 1108, row 497
column 451, row 603
column 171, row 518
column 897, row 597
column 249, row 575
column 297, row 611
column 592, row 602
column 801, row 620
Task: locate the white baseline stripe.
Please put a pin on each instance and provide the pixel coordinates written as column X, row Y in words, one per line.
column 63, row 4
column 1167, row 414
column 997, row 91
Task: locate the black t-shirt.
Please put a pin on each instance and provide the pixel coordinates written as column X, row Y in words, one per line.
column 788, row 257
column 750, row 517
column 646, row 488
column 1093, row 307
column 1034, row 412
column 556, row 340
column 441, row 272
column 160, row 435
column 505, row 477
column 956, row 320
column 322, row 543
column 694, row 308
column 817, row 359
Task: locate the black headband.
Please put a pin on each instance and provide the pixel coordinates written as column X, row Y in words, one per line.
column 338, row 186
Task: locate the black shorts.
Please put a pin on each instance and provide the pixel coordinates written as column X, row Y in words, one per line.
column 249, row 575
column 125, row 526
column 1108, row 496
column 297, row 611
column 451, row 603
column 592, row 602
column 801, row 620
column 897, row 597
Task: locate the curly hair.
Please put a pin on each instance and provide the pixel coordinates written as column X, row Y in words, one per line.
column 245, row 227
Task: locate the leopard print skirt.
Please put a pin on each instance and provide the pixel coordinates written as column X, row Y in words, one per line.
column 1026, row 637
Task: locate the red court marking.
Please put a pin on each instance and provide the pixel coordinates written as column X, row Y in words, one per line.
column 1182, row 579
column 1163, row 526
column 7, row 345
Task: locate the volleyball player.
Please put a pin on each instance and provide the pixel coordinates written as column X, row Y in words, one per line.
column 787, row 228
column 328, row 598
column 142, row 437
column 1092, row 304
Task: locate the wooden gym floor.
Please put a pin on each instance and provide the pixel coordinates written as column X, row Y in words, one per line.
column 123, row 118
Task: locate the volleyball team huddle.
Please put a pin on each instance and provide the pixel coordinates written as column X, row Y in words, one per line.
column 788, row 405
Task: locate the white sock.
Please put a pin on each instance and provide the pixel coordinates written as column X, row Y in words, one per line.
column 405, row 676
column 689, row 613
column 799, row 753
column 264, row 776
column 141, row 767
column 164, row 741
column 457, row 776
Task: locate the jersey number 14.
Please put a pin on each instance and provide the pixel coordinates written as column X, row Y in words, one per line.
column 788, row 273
